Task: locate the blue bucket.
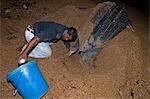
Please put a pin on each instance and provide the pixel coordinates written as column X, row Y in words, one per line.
column 28, row 81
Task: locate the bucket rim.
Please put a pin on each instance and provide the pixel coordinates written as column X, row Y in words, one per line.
column 13, row 72
column 44, row 92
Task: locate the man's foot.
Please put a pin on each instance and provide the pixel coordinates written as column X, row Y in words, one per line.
column 20, row 48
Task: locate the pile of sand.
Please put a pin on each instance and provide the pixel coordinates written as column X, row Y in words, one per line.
column 119, row 67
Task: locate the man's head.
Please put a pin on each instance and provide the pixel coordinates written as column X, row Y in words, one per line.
column 70, row 34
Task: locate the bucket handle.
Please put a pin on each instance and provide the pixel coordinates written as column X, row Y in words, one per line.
column 15, row 92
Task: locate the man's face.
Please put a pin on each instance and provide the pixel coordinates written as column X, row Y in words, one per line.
column 66, row 37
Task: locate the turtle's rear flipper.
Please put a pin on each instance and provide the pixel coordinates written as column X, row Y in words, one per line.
column 89, row 55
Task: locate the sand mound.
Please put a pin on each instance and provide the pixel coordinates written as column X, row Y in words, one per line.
column 120, row 67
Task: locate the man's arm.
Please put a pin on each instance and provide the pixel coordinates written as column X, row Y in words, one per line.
column 74, row 46
column 24, row 54
column 67, row 44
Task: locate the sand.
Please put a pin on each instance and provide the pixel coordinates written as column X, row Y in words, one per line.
column 122, row 68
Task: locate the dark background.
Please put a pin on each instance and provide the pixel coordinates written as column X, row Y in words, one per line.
column 142, row 5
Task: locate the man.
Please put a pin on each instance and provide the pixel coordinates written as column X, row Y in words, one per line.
column 42, row 33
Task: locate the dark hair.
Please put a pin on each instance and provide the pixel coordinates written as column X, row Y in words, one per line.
column 72, row 32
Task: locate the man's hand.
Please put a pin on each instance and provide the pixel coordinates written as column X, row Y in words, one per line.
column 22, row 58
column 71, row 51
